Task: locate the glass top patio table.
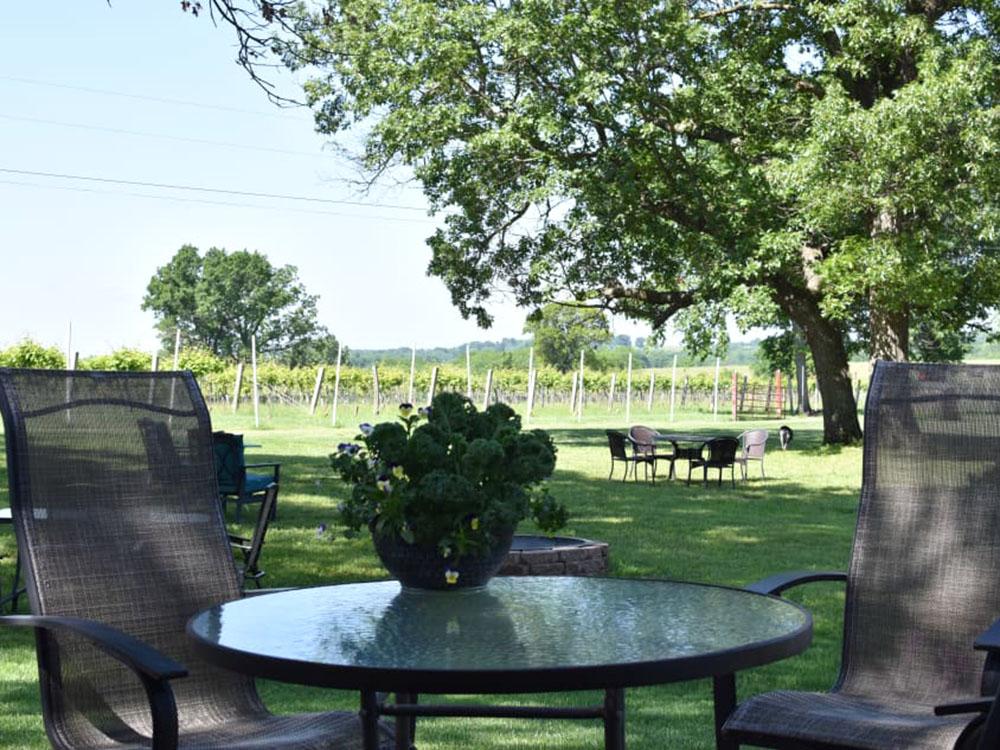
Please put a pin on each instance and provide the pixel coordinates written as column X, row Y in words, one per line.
column 520, row 634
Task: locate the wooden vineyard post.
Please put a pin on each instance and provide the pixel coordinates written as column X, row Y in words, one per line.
column 413, row 372
column 336, row 385
column 376, row 396
column 433, row 385
column 237, row 386
column 315, row 397
column 489, row 388
column 256, row 388
column 611, row 390
column 735, row 388
column 155, row 364
column 572, row 395
column 177, row 348
column 673, row 387
column 628, row 392
column 652, row 386
column 715, row 390
column 468, row 373
column 778, row 394
column 580, row 392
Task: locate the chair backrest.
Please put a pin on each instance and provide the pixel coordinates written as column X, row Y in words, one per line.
column 643, row 438
column 754, row 443
column 616, row 442
column 924, row 578
column 722, row 450
column 230, row 462
column 101, row 538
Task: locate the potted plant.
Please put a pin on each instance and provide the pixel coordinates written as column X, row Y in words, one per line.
column 443, row 488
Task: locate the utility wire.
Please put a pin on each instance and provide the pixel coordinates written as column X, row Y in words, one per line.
column 164, row 136
column 209, row 202
column 195, row 188
column 145, row 97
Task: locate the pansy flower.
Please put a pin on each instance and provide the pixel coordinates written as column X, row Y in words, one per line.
column 424, row 411
column 366, row 429
column 405, row 409
column 450, row 576
column 474, row 523
column 348, row 449
column 384, row 483
column 398, row 471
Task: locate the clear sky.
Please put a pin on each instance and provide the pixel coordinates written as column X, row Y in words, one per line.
column 141, row 92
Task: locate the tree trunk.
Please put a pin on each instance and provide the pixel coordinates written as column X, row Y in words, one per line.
column 801, row 374
column 888, row 330
column 826, row 342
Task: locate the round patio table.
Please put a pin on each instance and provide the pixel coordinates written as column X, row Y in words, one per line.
column 515, row 635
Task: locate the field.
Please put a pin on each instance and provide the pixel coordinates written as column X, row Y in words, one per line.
column 800, row 517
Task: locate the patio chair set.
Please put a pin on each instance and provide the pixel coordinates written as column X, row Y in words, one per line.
column 644, row 446
column 123, row 571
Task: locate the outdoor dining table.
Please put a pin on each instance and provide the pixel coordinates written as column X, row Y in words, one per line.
column 515, row 635
column 692, row 449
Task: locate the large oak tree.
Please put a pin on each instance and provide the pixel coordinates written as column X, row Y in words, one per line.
column 829, row 163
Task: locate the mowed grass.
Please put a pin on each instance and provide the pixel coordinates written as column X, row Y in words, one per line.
column 800, row 517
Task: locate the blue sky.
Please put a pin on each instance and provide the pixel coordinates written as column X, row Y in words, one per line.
column 141, row 92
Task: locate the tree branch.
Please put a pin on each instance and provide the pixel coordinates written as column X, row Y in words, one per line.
column 707, row 15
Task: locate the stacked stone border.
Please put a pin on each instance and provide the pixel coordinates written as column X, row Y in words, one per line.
column 565, row 557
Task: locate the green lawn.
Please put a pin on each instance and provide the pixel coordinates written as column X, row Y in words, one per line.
column 802, row 516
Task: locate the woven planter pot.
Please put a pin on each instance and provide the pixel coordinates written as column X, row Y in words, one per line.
column 423, row 567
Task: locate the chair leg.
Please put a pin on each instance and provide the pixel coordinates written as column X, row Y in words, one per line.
column 762, row 469
column 612, row 472
column 689, row 473
column 704, row 475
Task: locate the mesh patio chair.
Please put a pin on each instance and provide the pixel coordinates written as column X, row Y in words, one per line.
column 116, row 563
column 721, row 455
column 235, row 482
column 644, row 440
column 923, row 586
column 623, row 450
column 249, row 549
column 753, row 443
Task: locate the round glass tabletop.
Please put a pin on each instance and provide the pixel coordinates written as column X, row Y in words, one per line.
column 515, row 634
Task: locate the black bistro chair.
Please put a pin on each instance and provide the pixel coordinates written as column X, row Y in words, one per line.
column 721, row 454
column 623, row 451
column 249, row 549
column 923, row 586
column 116, row 562
column 235, row 482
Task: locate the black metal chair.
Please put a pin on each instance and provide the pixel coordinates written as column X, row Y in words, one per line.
column 116, row 562
column 644, row 442
column 923, row 586
column 721, row 455
column 235, row 482
column 250, row 549
column 623, row 450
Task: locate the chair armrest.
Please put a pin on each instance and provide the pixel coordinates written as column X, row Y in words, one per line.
column 970, row 706
column 783, row 581
column 130, row 651
column 238, row 541
column 261, row 466
column 990, row 640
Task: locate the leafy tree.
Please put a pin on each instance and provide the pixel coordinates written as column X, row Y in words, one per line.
column 832, row 164
column 561, row 332
column 320, row 349
column 219, row 301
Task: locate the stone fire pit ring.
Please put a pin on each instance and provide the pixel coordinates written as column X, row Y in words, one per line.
column 536, row 555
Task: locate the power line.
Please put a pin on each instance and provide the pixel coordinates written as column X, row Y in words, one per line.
column 209, row 202
column 164, row 136
column 195, row 188
column 145, row 97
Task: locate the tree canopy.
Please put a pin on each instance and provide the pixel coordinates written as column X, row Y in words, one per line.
column 220, row 300
column 562, row 332
column 829, row 164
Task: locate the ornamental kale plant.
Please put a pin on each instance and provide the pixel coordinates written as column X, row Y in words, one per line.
column 448, row 476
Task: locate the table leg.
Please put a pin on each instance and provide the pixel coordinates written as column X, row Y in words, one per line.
column 614, row 719
column 724, row 694
column 406, row 726
column 369, row 720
